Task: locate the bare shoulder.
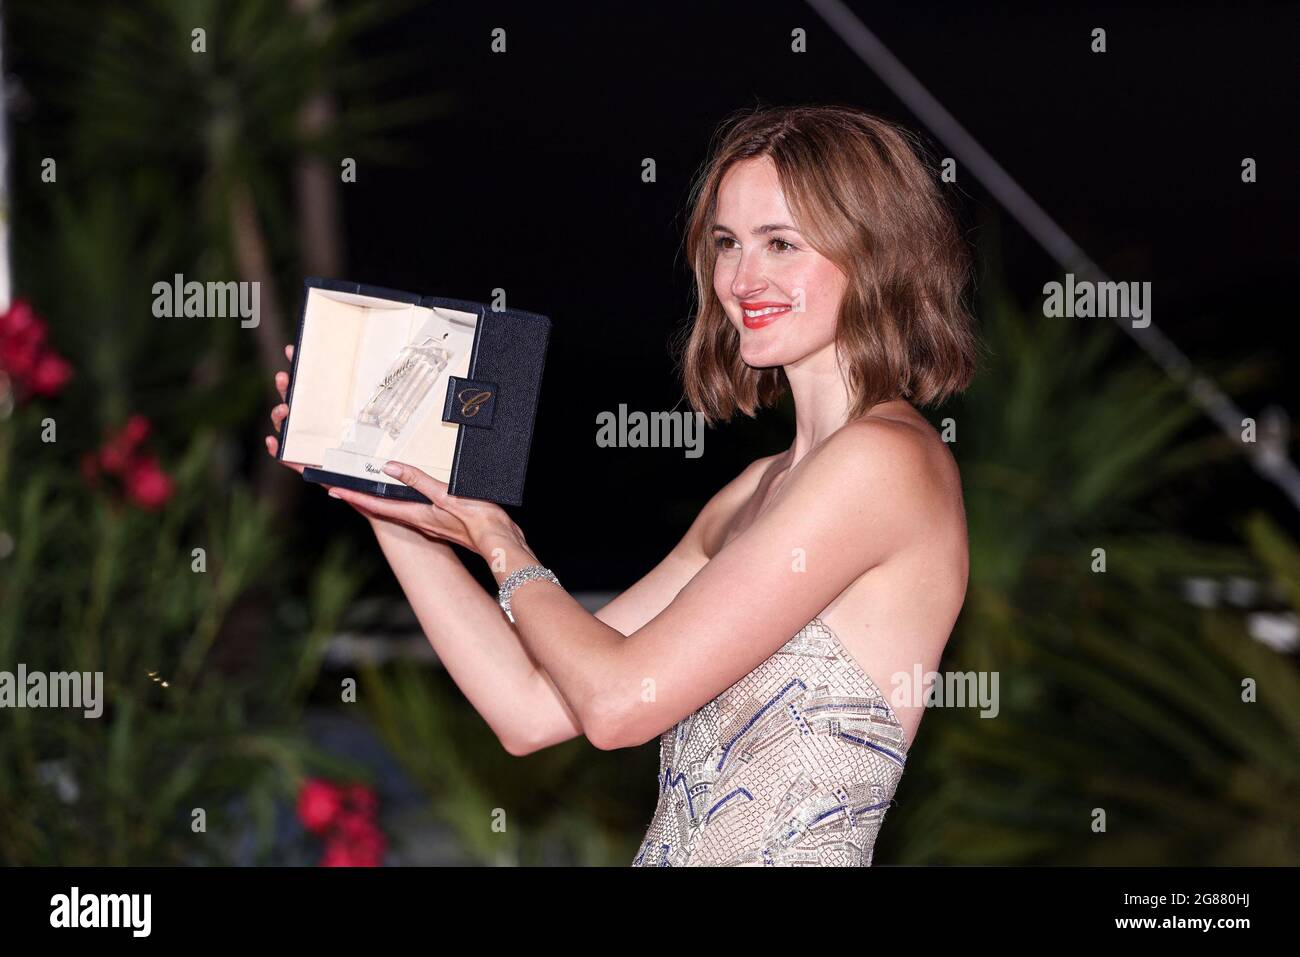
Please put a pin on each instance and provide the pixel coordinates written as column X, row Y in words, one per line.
column 889, row 478
column 898, row 455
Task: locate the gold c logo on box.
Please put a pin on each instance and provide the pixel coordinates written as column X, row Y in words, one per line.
column 470, row 402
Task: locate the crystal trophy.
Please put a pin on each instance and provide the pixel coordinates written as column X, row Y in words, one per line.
column 395, row 408
column 405, row 385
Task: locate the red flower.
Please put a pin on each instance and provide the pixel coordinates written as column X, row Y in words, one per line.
column 362, row 798
column 17, row 319
column 144, row 482
column 135, row 431
column 361, row 834
column 337, row 855
column 319, row 804
column 345, row 816
column 20, row 353
column 35, row 368
column 51, row 374
column 119, row 451
column 147, row 485
column 113, row 458
column 357, row 841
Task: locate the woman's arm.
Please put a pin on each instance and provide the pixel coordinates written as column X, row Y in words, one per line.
column 475, row 643
column 482, row 651
column 865, row 497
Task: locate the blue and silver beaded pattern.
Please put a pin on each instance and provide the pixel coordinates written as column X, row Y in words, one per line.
column 794, row 764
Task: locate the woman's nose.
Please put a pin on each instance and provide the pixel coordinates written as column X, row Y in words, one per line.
column 748, row 279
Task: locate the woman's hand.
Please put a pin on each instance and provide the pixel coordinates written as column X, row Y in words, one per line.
column 279, row 412
column 470, row 522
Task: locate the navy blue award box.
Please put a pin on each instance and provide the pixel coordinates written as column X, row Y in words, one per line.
column 447, row 385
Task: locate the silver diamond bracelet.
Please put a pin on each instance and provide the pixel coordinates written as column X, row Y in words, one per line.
column 529, row 573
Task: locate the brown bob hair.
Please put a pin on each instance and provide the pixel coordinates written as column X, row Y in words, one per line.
column 865, row 199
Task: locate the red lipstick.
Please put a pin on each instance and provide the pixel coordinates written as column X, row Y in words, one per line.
column 764, row 318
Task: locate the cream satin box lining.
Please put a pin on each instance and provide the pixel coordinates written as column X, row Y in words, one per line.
column 349, row 344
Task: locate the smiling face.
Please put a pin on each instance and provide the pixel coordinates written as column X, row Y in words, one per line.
column 861, row 275
column 780, row 294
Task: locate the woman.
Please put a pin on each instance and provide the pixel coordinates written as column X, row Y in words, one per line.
column 826, row 262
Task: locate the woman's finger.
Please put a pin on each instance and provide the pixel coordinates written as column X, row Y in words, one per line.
column 404, row 513
column 282, row 384
column 432, row 489
column 423, row 518
column 356, row 505
column 278, row 415
column 288, row 352
column 273, row 448
column 371, row 504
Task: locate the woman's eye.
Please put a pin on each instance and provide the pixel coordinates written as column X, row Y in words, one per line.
column 780, row 245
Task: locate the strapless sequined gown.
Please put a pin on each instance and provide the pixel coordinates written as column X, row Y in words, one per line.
column 794, row 764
